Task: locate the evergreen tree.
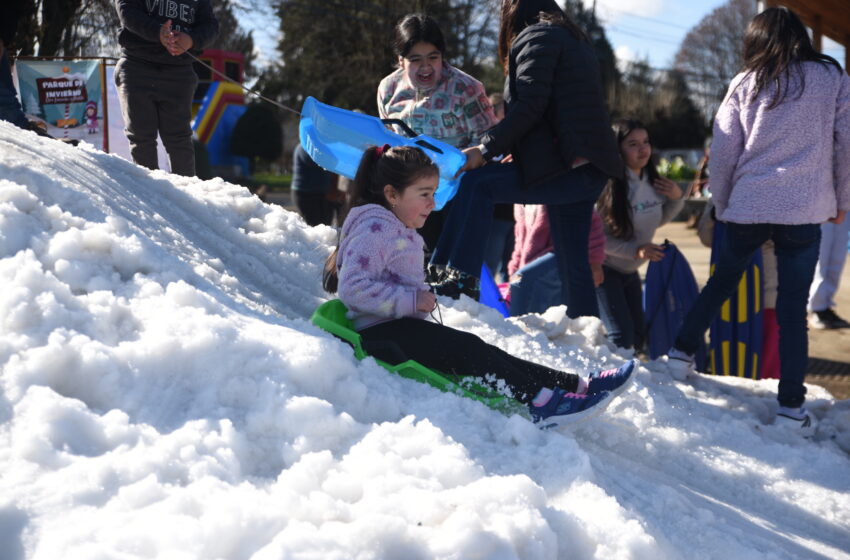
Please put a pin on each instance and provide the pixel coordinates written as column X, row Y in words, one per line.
column 662, row 101
column 678, row 123
column 586, row 19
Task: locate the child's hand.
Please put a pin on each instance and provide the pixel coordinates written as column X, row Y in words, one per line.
column 838, row 217
column 650, row 251
column 598, row 274
column 165, row 35
column 425, row 301
column 180, row 43
column 474, row 160
column 668, row 188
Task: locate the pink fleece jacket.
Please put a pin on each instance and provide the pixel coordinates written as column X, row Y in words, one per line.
column 789, row 164
column 380, row 267
column 532, row 237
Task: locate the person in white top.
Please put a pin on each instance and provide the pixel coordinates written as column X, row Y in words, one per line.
column 631, row 211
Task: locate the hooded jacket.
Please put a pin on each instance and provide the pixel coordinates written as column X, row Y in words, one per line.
column 380, row 267
column 141, row 21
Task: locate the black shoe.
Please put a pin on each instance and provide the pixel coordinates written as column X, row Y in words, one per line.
column 455, row 283
column 827, row 320
column 435, row 274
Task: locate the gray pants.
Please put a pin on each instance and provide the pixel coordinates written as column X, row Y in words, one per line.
column 158, row 99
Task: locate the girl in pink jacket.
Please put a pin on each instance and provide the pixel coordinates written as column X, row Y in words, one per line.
column 377, row 271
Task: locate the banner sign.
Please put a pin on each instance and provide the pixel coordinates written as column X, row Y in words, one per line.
column 52, row 91
column 66, row 97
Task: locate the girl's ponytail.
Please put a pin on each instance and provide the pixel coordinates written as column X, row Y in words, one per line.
column 359, row 193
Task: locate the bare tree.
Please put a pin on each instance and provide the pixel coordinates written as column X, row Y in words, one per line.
column 711, row 53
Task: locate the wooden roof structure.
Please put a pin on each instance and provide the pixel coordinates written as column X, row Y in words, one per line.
column 829, row 18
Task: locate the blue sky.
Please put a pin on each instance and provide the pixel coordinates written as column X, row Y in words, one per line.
column 651, row 29
column 654, row 29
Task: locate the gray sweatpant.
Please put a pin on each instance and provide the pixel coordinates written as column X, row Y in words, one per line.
column 158, row 99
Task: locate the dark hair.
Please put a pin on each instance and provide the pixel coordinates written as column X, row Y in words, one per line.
column 613, row 205
column 774, row 43
column 400, row 167
column 417, row 28
column 516, row 15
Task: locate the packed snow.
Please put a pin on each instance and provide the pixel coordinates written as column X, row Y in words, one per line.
column 164, row 395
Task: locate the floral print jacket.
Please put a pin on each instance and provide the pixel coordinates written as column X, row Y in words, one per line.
column 456, row 111
column 380, row 267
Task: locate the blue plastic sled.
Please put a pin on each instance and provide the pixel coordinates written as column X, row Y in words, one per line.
column 668, row 296
column 736, row 333
column 336, row 139
column 490, row 294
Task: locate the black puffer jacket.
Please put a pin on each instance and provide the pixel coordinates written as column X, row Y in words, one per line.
column 555, row 107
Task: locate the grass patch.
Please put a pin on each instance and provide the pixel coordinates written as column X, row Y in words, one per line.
column 273, row 181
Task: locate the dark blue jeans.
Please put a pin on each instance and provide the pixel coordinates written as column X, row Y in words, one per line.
column 500, row 245
column 569, row 199
column 538, row 288
column 10, row 109
column 796, row 255
column 621, row 307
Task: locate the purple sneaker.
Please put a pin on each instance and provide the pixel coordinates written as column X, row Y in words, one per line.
column 614, row 381
column 569, row 407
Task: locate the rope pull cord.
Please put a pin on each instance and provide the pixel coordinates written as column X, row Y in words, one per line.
column 439, row 313
column 248, row 90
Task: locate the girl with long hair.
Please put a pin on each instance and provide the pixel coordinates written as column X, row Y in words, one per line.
column 780, row 167
column 632, row 209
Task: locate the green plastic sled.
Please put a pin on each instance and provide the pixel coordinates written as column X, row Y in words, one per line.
column 330, row 316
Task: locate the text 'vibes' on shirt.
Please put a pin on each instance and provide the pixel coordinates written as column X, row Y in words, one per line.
column 142, row 20
column 181, row 14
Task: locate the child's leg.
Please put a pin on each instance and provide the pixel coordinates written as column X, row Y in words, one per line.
column 138, row 108
column 634, row 299
column 614, row 308
column 538, row 288
column 797, row 254
column 176, row 88
column 460, row 353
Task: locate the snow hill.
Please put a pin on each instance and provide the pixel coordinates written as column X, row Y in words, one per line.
column 164, row 395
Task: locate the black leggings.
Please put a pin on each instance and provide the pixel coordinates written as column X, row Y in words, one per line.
column 455, row 352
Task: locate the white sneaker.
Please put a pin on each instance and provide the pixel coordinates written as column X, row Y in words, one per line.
column 679, row 364
column 797, row 420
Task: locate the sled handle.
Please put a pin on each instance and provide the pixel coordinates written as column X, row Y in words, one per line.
column 412, row 134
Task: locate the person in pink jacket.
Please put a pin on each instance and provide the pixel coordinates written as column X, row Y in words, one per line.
column 780, row 167
column 534, row 282
column 378, row 274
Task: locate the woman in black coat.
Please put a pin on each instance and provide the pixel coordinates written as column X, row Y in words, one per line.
column 558, row 134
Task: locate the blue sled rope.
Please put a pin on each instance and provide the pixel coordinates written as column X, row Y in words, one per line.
column 336, row 139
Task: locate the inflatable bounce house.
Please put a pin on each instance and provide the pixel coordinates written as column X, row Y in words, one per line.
column 218, row 105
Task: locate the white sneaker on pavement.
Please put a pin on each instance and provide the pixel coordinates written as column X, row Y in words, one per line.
column 679, row 364
column 797, row 420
